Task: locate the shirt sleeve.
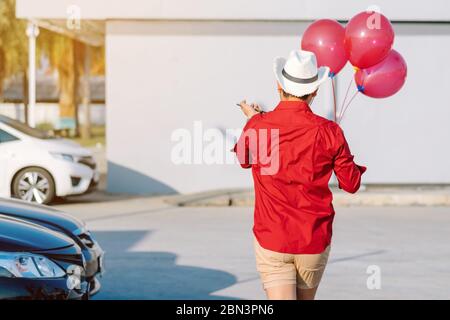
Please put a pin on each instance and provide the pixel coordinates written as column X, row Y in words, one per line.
column 241, row 148
column 347, row 171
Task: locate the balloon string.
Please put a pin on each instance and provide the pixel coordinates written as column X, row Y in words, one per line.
column 345, row 98
column 334, row 97
column 348, row 104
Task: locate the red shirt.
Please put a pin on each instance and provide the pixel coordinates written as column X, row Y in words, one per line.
column 293, row 204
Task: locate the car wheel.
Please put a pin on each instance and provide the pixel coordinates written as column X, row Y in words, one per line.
column 34, row 185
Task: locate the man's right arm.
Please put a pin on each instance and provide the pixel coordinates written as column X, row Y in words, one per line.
column 347, row 171
column 248, row 138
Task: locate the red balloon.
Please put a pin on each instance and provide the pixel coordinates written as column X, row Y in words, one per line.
column 383, row 79
column 325, row 38
column 368, row 39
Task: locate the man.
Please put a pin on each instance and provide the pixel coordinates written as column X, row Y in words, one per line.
column 293, row 204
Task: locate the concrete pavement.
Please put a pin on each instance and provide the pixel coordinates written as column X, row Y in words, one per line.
column 158, row 251
column 367, row 196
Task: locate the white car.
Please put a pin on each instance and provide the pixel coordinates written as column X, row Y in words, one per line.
column 36, row 167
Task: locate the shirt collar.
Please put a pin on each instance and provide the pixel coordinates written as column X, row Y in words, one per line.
column 293, row 105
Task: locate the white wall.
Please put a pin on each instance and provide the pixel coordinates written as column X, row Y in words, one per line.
column 406, row 138
column 165, row 75
column 405, row 10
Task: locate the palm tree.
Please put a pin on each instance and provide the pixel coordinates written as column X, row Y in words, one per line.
column 66, row 56
column 13, row 43
column 60, row 51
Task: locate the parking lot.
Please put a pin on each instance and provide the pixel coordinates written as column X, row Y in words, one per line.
column 158, row 251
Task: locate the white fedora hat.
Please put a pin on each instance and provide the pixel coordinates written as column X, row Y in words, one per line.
column 299, row 75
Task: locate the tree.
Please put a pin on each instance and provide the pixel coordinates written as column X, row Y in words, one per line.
column 66, row 56
column 13, row 43
column 60, row 52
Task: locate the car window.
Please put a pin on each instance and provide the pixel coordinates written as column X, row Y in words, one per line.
column 22, row 127
column 6, row 137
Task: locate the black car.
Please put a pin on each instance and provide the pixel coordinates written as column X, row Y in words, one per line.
column 46, row 254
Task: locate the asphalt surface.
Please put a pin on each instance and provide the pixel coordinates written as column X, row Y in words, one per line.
column 158, row 251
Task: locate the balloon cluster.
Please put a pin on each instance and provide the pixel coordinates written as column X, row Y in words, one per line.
column 366, row 41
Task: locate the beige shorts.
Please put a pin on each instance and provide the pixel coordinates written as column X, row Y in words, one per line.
column 303, row 270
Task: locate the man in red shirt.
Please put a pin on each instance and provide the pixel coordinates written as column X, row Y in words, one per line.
column 292, row 153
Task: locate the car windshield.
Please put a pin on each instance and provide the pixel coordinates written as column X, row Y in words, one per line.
column 22, row 127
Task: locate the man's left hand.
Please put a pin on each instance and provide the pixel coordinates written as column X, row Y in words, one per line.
column 249, row 109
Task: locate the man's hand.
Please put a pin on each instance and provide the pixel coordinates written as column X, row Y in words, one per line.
column 249, row 109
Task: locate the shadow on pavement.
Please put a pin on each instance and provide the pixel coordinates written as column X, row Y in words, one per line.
column 358, row 256
column 95, row 196
column 124, row 179
column 153, row 275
